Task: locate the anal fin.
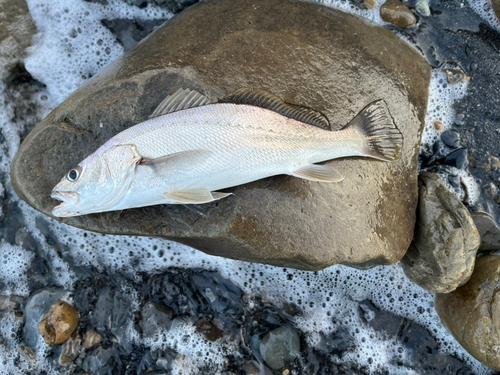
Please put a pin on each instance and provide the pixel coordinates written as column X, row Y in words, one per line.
column 194, row 196
column 315, row 172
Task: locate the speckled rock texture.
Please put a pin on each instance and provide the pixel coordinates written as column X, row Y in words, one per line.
column 305, row 53
column 472, row 312
column 442, row 254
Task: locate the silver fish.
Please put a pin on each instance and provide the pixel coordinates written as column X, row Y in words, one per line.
column 191, row 147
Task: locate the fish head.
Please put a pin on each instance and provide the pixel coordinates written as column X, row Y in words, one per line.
column 98, row 183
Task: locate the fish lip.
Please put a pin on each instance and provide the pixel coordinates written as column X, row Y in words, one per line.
column 68, row 198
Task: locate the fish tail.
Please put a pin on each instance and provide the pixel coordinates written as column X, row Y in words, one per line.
column 381, row 138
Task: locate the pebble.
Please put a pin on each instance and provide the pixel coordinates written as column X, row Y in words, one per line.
column 91, row 339
column 490, row 189
column 438, row 125
column 495, row 163
column 209, row 330
column 451, row 138
column 70, row 350
column 59, row 323
column 279, row 346
column 37, row 306
column 398, row 14
column 422, row 7
column 457, row 159
column 454, row 76
column 370, row 4
column 27, row 353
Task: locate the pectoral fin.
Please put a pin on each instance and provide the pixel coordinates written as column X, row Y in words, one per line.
column 322, row 173
column 194, row 196
column 180, row 160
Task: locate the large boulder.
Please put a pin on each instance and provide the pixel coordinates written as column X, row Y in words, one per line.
column 442, row 254
column 472, row 312
column 305, row 53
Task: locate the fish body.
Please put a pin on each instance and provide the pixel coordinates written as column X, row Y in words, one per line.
column 186, row 156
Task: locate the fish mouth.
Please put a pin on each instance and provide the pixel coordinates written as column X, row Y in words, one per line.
column 69, row 200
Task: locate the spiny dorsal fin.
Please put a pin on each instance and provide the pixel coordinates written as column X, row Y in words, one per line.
column 267, row 100
column 181, row 99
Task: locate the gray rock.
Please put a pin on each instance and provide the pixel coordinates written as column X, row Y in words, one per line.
column 299, row 54
column 489, row 231
column 16, row 31
column 472, row 312
column 155, row 315
column 38, row 305
column 422, row 7
column 279, row 346
column 441, row 256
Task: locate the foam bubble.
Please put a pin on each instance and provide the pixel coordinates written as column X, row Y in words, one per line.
column 72, row 44
column 14, row 265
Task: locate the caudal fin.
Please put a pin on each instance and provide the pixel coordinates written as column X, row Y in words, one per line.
column 382, row 139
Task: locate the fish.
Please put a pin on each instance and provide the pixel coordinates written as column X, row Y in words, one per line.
column 191, row 147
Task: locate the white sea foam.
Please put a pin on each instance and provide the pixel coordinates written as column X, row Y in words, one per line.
column 485, row 10
column 328, row 298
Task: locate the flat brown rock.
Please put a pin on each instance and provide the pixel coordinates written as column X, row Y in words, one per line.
column 305, row 53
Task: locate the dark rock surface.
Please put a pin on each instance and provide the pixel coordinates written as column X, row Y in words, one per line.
column 472, row 312
column 442, row 254
column 280, row 220
column 488, row 230
column 397, row 13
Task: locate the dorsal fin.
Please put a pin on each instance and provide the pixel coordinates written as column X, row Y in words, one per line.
column 181, row 99
column 267, row 100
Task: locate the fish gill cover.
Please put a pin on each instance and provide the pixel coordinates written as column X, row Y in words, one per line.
column 73, row 43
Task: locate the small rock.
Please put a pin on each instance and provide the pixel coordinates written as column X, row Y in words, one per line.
column 209, row 330
column 70, row 350
column 451, row 138
column 454, row 181
column 489, row 231
column 395, row 12
column 370, row 4
column 155, row 315
column 59, row 323
column 457, row 159
column 490, row 189
column 27, row 353
column 422, row 7
column 280, row 345
column 472, row 313
column 454, row 76
column 441, row 256
column 91, row 339
column 36, row 308
column 495, row 163
column 438, row 125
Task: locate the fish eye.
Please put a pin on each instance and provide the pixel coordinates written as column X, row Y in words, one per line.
column 73, row 174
